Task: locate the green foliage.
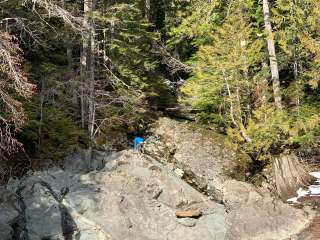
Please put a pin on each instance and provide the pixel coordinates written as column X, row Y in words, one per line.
column 129, row 46
column 224, row 70
column 268, row 130
column 307, row 125
column 209, row 118
column 229, row 83
column 273, row 131
column 198, row 25
column 129, row 43
column 223, row 41
column 53, row 137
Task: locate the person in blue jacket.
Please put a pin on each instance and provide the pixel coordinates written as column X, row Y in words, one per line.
column 137, row 143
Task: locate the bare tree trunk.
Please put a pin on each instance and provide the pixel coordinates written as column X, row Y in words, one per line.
column 147, row 10
column 288, row 171
column 296, row 75
column 238, row 124
column 83, row 62
column 88, row 71
column 272, row 56
column 111, row 38
column 289, row 175
column 104, row 46
column 87, row 64
column 91, row 79
column 91, row 82
column 42, row 96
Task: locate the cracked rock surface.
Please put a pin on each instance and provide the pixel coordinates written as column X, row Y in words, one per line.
column 137, row 199
column 132, row 196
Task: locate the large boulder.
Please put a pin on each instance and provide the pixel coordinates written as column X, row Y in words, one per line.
column 255, row 215
column 237, row 194
column 8, row 213
column 84, row 161
column 206, row 160
column 131, row 198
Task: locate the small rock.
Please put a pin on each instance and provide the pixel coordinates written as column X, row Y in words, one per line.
column 179, row 172
column 187, row 222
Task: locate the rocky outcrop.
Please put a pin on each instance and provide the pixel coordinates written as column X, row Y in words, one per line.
column 8, row 213
column 207, row 162
column 131, row 198
column 253, row 214
column 165, row 194
column 83, row 161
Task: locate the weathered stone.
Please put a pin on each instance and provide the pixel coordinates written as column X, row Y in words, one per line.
column 254, row 214
column 267, row 219
column 131, row 201
column 203, row 158
column 8, row 213
column 129, row 195
column 187, row 222
column 236, row 194
column 80, row 161
column 5, row 231
column 179, row 172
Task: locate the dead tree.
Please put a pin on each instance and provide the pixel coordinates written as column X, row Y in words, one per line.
column 13, row 81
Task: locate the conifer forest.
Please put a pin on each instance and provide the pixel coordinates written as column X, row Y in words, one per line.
column 76, row 74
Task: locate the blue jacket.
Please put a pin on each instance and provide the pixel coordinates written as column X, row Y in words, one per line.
column 138, row 141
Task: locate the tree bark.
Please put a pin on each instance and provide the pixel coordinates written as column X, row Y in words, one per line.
column 84, row 61
column 42, row 98
column 91, row 78
column 87, row 97
column 147, row 9
column 238, row 123
column 289, row 176
column 272, row 56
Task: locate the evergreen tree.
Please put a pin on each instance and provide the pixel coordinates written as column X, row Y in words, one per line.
column 230, row 74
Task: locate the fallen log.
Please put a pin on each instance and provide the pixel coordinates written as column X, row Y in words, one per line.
column 192, row 213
